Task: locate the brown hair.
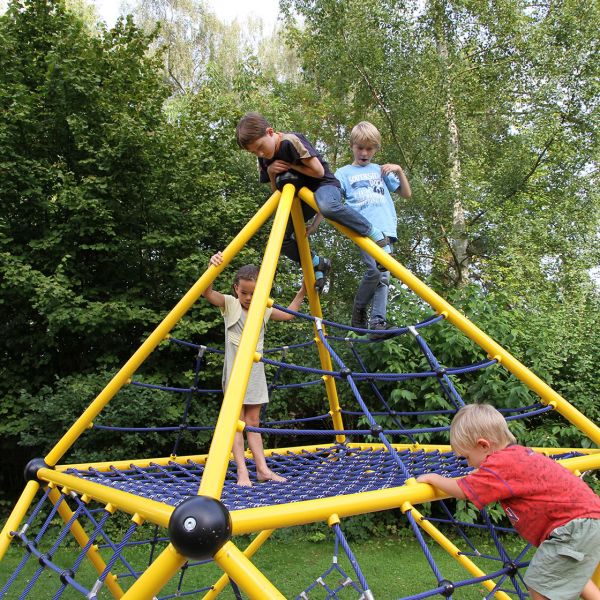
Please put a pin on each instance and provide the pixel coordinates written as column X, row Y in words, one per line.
column 251, row 127
column 247, row 272
column 475, row 421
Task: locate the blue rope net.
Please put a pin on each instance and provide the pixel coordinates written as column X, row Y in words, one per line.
column 324, row 470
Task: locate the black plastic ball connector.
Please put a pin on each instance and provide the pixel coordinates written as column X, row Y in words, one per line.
column 65, row 575
column 287, row 177
column 199, row 527
column 448, row 587
column 440, row 371
column 511, row 568
column 376, row 429
column 32, row 467
column 345, row 373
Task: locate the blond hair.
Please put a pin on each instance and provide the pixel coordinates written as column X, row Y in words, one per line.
column 475, row 421
column 365, row 133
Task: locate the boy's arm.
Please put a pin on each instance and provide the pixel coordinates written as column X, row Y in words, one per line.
column 310, row 166
column 312, row 228
column 214, row 297
column 445, row 484
column 307, row 166
column 279, row 315
column 405, row 191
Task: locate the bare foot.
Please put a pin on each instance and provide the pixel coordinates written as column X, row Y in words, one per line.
column 244, row 481
column 269, row 476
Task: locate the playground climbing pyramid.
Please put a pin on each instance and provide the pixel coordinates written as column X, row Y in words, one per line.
column 187, row 510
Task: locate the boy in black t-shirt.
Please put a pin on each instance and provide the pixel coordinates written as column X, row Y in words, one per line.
column 281, row 152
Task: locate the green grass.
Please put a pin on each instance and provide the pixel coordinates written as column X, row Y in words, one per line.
column 393, row 567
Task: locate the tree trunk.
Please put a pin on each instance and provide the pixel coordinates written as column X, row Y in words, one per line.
column 457, row 240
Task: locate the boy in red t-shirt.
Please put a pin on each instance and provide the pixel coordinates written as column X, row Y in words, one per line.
column 548, row 505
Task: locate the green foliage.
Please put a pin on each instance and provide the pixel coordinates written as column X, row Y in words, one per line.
column 116, row 192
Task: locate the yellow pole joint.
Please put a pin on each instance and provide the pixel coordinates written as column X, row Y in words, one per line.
column 138, row 519
column 334, row 519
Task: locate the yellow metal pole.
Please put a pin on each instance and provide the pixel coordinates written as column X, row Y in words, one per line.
column 249, row 552
column 244, row 573
column 157, row 575
column 452, row 550
column 159, row 334
column 315, row 311
column 546, row 393
column 17, row 515
column 250, row 520
column 82, row 539
column 222, row 441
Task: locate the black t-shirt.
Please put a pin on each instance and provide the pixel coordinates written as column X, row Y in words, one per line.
column 292, row 148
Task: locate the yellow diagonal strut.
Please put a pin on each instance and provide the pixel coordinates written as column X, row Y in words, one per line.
column 544, row 391
column 222, row 441
column 315, row 311
column 451, row 549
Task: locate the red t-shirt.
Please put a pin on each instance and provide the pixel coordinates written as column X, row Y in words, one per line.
column 537, row 493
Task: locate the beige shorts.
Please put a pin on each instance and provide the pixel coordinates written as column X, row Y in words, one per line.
column 566, row 561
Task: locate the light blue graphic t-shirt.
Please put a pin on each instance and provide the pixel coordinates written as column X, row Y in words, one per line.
column 366, row 191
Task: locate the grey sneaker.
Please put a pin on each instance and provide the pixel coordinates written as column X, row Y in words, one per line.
column 380, row 332
column 359, row 317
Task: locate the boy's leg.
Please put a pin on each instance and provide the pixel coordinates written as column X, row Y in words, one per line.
column 252, row 418
column 380, row 300
column 289, row 248
column 366, row 291
column 590, row 591
column 563, row 564
column 329, row 201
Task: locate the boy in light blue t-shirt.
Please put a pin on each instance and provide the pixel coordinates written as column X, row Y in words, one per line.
column 366, row 188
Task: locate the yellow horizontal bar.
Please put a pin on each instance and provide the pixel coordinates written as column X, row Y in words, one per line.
column 250, row 520
column 200, row 459
column 452, row 550
column 142, row 463
column 151, row 510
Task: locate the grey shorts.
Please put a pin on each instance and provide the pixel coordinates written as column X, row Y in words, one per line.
column 565, row 562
